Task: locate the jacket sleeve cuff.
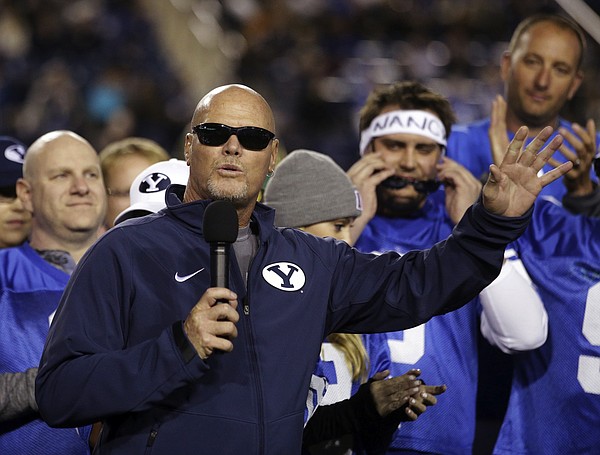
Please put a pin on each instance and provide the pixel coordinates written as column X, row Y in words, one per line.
column 583, row 205
column 496, row 229
column 187, row 350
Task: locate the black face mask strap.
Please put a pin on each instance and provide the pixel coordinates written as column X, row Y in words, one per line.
column 421, row 186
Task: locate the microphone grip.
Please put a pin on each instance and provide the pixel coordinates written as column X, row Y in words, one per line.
column 219, row 266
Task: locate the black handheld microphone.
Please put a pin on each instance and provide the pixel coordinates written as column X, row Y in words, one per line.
column 220, row 228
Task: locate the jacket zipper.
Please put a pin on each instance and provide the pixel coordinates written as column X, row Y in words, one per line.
column 254, row 363
column 152, row 437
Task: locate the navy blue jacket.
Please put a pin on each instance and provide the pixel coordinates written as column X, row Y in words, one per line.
column 112, row 355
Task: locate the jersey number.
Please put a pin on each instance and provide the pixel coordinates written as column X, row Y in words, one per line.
column 410, row 349
column 340, row 386
column 588, row 372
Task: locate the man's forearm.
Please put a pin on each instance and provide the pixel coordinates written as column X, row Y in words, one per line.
column 17, row 395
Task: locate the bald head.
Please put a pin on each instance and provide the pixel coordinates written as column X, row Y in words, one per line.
column 62, row 188
column 247, row 101
column 224, row 168
column 47, row 143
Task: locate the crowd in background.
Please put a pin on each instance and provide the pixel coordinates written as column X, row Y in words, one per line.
column 96, row 66
column 90, row 66
column 316, row 61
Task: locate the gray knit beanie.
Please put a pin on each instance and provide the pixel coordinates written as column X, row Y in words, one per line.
column 308, row 188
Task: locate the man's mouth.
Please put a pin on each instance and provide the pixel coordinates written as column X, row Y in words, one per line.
column 538, row 97
column 229, row 170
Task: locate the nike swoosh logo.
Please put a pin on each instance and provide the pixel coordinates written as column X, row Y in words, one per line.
column 181, row 279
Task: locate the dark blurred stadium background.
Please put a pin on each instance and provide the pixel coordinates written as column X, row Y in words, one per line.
column 113, row 68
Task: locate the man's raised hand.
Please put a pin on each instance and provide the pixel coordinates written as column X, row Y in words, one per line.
column 512, row 187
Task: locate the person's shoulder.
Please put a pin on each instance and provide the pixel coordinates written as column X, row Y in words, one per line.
column 550, row 218
column 139, row 220
column 548, row 209
column 23, row 269
column 10, row 259
column 9, row 251
column 309, row 244
column 469, row 144
column 296, row 235
column 144, row 230
column 16, row 254
column 554, row 232
column 468, row 129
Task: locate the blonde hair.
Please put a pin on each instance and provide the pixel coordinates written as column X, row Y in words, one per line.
column 143, row 147
column 354, row 352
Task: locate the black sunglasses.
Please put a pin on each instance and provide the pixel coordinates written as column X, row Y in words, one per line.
column 215, row 134
column 597, row 165
column 422, row 186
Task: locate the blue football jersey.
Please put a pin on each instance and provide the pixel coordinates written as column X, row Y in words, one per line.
column 554, row 406
column 332, row 366
column 333, row 369
column 30, row 290
column 444, row 348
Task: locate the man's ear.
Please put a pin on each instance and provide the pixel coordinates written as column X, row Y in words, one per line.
column 23, row 188
column 274, row 154
column 505, row 62
column 575, row 84
column 187, row 147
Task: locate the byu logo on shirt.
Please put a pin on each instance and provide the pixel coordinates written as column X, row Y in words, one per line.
column 156, row 181
column 285, row 276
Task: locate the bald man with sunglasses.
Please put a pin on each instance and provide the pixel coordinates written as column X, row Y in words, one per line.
column 140, row 342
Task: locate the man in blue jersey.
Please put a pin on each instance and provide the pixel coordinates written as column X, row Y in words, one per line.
column 555, row 395
column 141, row 343
column 403, row 137
column 541, row 70
column 62, row 188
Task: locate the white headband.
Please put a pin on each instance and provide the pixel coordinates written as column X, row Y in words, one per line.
column 412, row 122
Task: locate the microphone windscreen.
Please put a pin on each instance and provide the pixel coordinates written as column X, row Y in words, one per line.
column 220, row 222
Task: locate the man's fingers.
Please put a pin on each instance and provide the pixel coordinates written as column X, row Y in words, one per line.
column 567, row 153
column 417, row 406
column 496, row 174
column 410, row 413
column 366, row 166
column 369, row 171
column 212, row 296
column 413, row 372
column 210, row 335
column 577, row 142
column 211, row 326
column 556, row 173
column 515, row 146
column 434, row 389
column 428, row 399
column 381, row 375
column 530, row 154
column 224, row 313
column 542, row 157
column 226, row 329
column 584, row 138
